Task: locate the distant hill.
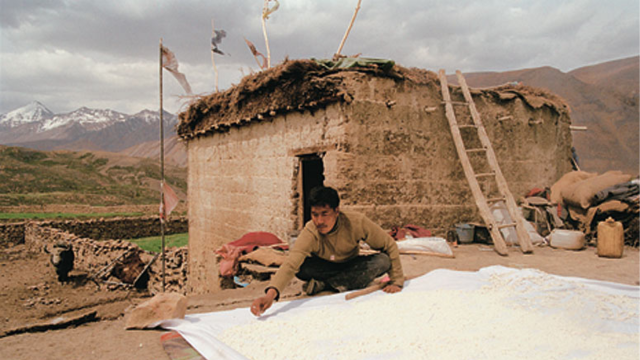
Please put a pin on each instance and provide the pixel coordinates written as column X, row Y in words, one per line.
column 36, row 127
column 32, row 177
column 621, row 75
column 602, row 97
column 175, row 151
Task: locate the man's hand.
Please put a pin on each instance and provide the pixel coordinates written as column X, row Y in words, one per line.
column 261, row 304
column 392, row 289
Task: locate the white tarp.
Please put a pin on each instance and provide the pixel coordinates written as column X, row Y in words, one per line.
column 431, row 244
column 494, row 313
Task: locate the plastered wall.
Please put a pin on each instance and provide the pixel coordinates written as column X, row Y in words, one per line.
column 246, row 180
column 389, row 153
column 402, row 166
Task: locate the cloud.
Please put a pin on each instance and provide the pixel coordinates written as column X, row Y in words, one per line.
column 15, row 14
column 69, row 76
column 69, row 54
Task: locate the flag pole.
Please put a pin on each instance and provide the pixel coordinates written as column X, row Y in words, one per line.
column 213, row 61
column 265, row 8
column 162, row 204
column 346, row 34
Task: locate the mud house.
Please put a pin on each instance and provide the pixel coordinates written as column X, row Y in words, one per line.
column 377, row 134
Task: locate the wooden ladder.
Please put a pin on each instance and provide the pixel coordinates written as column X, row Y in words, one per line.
column 472, row 177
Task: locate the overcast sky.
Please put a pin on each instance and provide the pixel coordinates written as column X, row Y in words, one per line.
column 104, row 53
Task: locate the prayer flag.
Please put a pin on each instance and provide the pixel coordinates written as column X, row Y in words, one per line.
column 170, row 63
column 171, row 200
column 216, row 40
column 266, row 11
column 256, row 53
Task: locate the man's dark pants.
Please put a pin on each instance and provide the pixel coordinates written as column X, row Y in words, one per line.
column 356, row 273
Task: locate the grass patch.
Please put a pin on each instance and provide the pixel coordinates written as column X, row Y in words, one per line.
column 154, row 243
column 31, row 177
column 38, row 216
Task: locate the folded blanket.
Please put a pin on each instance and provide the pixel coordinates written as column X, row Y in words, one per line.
column 620, row 192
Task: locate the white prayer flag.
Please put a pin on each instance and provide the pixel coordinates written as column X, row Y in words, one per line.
column 170, row 63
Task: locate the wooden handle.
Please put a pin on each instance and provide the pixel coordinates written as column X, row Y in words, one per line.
column 365, row 291
column 431, row 253
column 373, row 288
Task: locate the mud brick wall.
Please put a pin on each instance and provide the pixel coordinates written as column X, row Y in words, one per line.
column 388, row 150
column 11, row 234
column 245, row 180
column 402, row 165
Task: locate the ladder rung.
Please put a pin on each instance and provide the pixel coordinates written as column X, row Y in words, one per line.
column 506, row 225
column 466, row 126
column 486, row 174
column 476, row 150
column 493, row 200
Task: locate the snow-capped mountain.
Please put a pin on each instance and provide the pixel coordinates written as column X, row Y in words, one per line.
column 150, row 117
column 35, row 126
column 90, row 118
column 32, row 112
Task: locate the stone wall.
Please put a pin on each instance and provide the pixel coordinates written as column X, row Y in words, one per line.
column 11, row 234
column 92, row 256
column 176, row 272
column 88, row 209
column 99, row 229
column 120, row 227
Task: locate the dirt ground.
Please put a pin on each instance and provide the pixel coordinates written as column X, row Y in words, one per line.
column 31, row 295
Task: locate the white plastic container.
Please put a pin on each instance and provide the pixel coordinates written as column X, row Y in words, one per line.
column 567, row 239
column 502, row 216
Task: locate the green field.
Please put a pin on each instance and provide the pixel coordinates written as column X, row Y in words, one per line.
column 154, row 243
column 31, row 177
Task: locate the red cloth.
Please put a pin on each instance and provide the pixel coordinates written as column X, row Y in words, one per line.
column 247, row 243
column 409, row 229
column 171, row 200
column 543, row 193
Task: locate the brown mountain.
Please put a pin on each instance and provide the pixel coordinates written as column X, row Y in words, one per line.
column 602, row 97
column 99, row 178
column 618, row 74
column 175, row 151
column 34, row 126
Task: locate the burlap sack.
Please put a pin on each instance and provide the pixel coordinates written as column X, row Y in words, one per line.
column 566, row 180
column 581, row 193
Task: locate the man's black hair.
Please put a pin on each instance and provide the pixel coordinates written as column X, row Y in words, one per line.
column 322, row 195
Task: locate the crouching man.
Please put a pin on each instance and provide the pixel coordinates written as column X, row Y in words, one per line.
column 325, row 255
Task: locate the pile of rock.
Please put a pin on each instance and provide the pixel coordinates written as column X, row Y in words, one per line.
column 114, row 263
column 176, row 272
column 11, row 234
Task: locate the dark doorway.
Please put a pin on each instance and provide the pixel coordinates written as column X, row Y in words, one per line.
column 312, row 175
